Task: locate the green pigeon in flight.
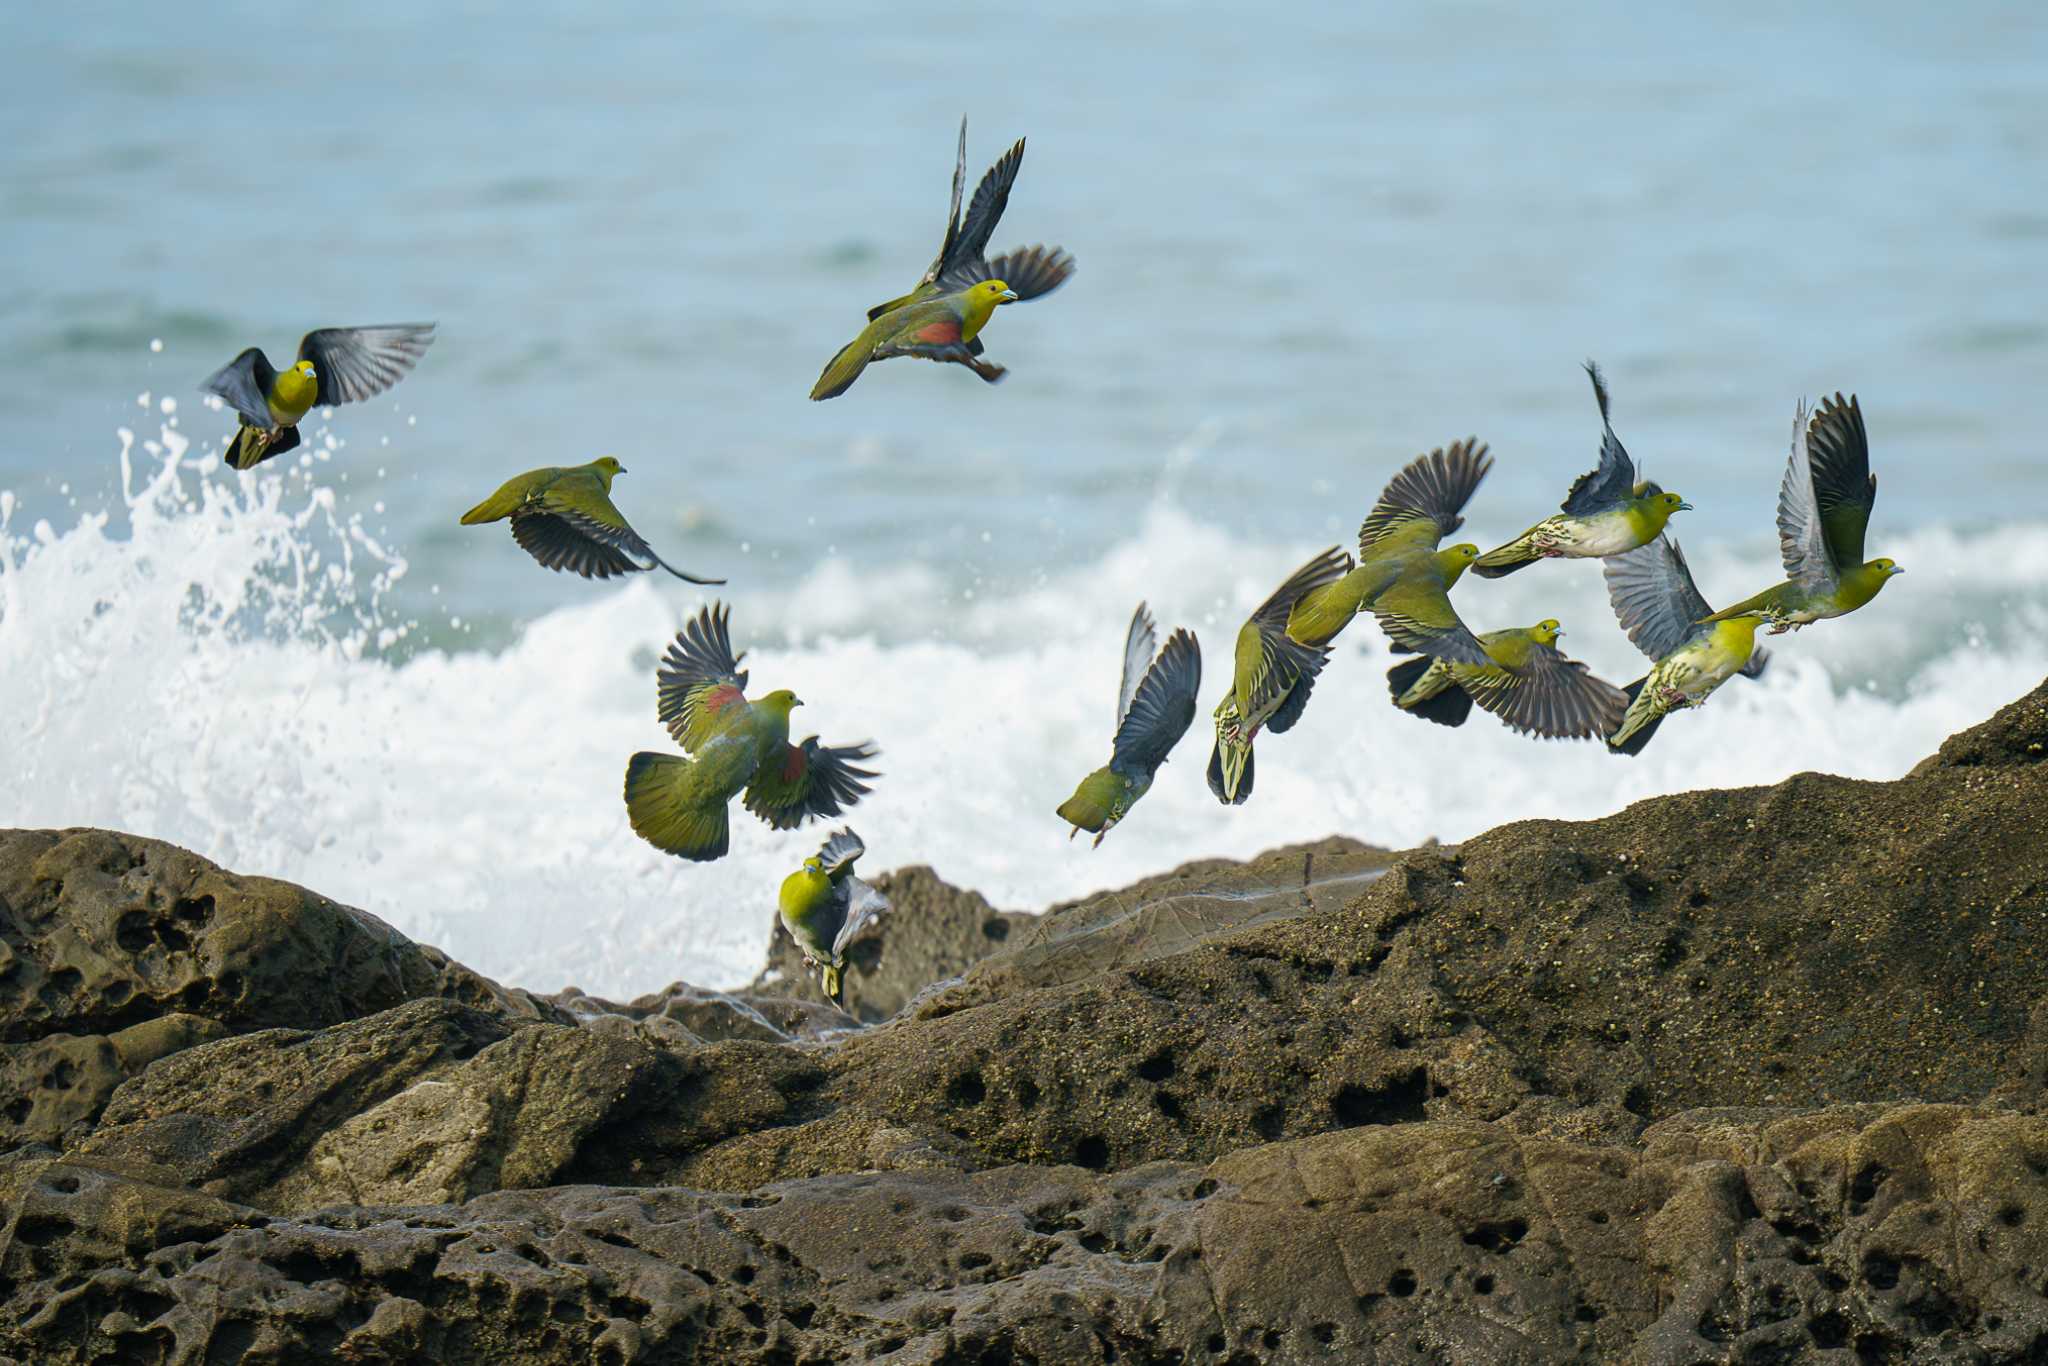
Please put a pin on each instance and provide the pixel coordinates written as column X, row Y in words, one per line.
column 1155, row 704
column 1608, row 511
column 565, row 519
column 738, row 745
column 336, row 365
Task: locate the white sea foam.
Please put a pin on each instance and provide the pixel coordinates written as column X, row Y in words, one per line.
column 221, row 676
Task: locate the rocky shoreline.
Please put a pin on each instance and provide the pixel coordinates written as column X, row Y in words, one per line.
column 1730, row 1076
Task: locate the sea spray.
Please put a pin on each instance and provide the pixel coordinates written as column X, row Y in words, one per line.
column 227, row 675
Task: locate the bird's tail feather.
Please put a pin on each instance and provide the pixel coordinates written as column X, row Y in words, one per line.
column 662, row 812
column 1499, row 563
column 1633, row 742
column 843, row 371
column 1447, row 706
column 252, row 446
column 1231, row 779
column 686, row 578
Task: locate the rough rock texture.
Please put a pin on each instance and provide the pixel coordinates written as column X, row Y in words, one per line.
column 1734, row 1076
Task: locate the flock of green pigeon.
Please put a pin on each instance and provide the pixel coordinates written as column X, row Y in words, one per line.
column 739, row 746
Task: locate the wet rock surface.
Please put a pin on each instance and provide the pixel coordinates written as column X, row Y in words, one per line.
column 1734, row 1076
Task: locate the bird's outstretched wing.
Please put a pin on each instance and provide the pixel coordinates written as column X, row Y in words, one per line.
column 244, row 385
column 1416, row 613
column 1140, row 642
column 839, row 851
column 587, row 511
column 1029, row 271
column 1802, row 542
column 863, row 904
column 1163, row 708
column 809, row 781
column 1844, row 489
column 1612, row 482
column 560, row 541
column 700, row 677
column 1422, row 504
column 355, row 363
column 1549, row 695
column 984, row 211
column 1281, row 659
column 1654, row 597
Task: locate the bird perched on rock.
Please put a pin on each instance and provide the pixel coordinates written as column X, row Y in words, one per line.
column 910, row 326
column 1400, row 576
column 1607, row 511
column 1823, row 508
column 564, row 518
column 1663, row 613
column 823, row 906
column 1155, row 704
column 738, row 744
column 1274, row 675
column 944, row 329
column 1527, row 683
column 336, row 365
column 1030, row 271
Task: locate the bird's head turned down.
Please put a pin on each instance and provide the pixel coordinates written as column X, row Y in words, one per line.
column 305, row 367
column 1546, row 630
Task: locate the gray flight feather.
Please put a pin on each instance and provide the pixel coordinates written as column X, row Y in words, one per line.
column 1163, row 708
column 244, row 385
column 1612, row 482
column 1140, row 642
column 1435, row 486
column 355, row 363
column 839, row 851
column 1654, row 596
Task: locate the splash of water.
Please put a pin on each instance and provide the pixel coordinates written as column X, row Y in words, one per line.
column 227, row 675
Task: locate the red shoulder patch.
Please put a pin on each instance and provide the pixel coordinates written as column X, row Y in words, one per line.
column 721, row 697
column 940, row 332
column 792, row 764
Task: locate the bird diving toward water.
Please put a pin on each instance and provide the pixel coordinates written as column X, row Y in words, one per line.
column 1607, row 511
column 1823, row 508
column 961, row 264
column 1155, row 704
column 1663, row 613
column 1400, row 577
column 1527, row 683
column 738, row 744
column 336, row 365
column 564, row 518
column 824, row 906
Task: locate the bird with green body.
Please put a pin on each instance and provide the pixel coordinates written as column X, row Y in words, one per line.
column 565, row 519
column 737, row 744
column 1607, row 512
column 941, row 318
column 336, row 365
column 1662, row 611
column 962, row 259
column 1823, row 509
column 944, row 329
column 824, row 907
column 1400, row 576
column 1155, row 705
column 1527, row 682
column 1274, row 674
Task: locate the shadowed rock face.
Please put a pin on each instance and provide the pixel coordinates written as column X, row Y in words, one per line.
column 1730, row 1076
